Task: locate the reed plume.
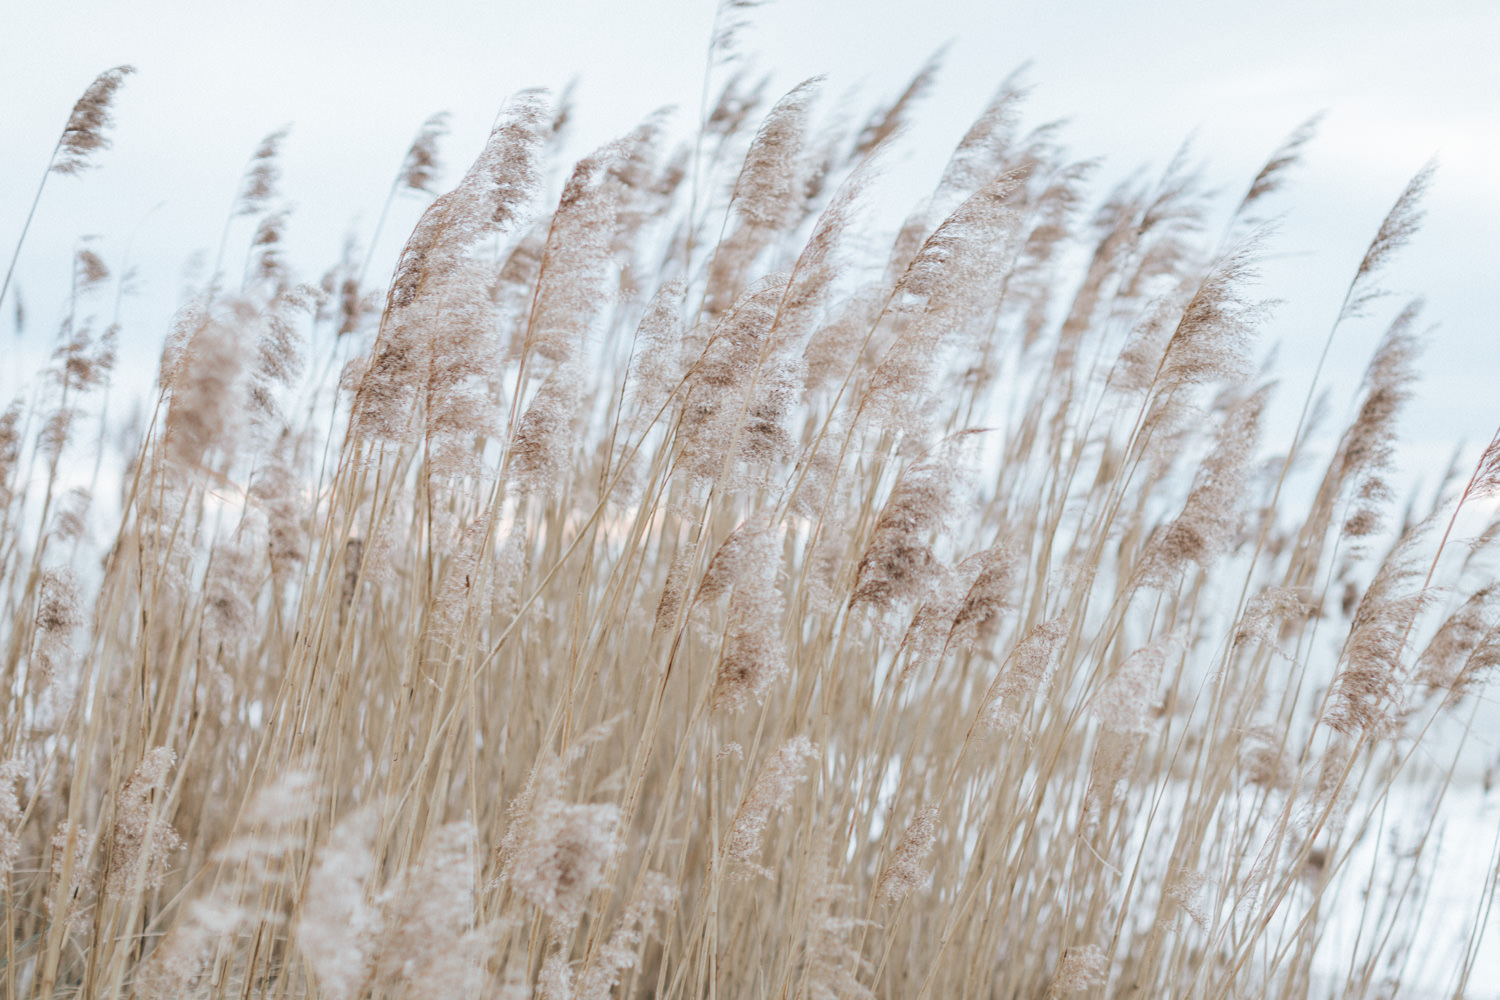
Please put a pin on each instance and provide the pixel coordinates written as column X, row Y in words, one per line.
column 87, row 128
column 85, row 133
column 697, row 591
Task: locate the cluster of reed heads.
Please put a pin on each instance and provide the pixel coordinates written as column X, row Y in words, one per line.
column 676, row 589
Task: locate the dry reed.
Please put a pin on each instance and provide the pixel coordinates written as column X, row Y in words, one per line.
column 648, row 616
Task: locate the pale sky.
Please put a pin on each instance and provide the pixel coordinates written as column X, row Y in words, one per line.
column 1401, row 83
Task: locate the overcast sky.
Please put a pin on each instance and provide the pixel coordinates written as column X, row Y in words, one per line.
column 1401, row 82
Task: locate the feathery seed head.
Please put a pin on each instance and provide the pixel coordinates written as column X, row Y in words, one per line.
column 898, row 565
column 10, row 449
column 489, row 200
column 11, row 772
column 71, row 520
column 566, row 859
column 1365, row 452
column 1023, row 676
column 981, row 152
column 338, row 928
column 576, row 256
column 1186, row 888
column 927, row 634
column 1396, row 230
column 1269, row 611
column 420, row 168
column 555, row 853
column 718, row 403
column 1081, row 969
column 80, row 363
column 904, row 872
column 426, row 944
column 620, row 951
column 734, row 105
column 89, row 268
column 742, row 555
column 1214, row 332
column 87, row 125
column 202, row 414
column 753, row 654
column 259, row 187
column 277, row 491
column 730, row 18
column 1265, row 760
column 1465, row 648
column 988, row 598
column 769, row 793
column 541, row 448
column 1273, row 174
column 1125, row 704
column 765, row 195
column 674, row 590
column 1367, row 692
column 1211, row 516
column 1484, row 483
column 143, row 837
column 890, row 120
column 58, row 610
column 657, row 364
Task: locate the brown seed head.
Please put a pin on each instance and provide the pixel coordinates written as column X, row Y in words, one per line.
column 420, row 168
column 91, row 117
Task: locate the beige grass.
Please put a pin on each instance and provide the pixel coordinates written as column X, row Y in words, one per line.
column 683, row 595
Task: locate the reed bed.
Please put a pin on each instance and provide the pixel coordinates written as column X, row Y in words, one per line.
column 665, row 584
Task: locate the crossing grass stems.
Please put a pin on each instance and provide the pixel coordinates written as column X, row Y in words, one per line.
column 677, row 588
